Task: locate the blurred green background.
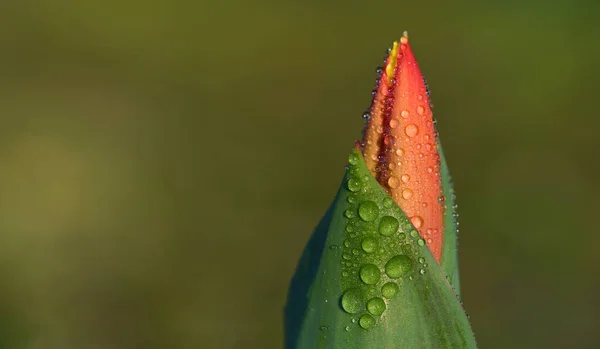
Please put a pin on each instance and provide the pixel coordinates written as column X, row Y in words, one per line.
column 163, row 163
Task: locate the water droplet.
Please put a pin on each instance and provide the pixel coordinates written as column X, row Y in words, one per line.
column 349, row 228
column 379, row 70
column 391, row 165
column 369, row 274
column 388, row 202
column 417, row 221
column 346, row 256
column 349, row 213
column 405, row 178
column 354, row 320
column 393, row 182
column 414, row 233
column 366, row 115
column 353, row 159
column 324, row 328
column 398, row 266
column 428, row 146
column 366, row 321
column 369, row 244
column 388, row 226
column 355, row 251
column 394, row 123
column 421, row 242
column 376, row 306
column 422, row 271
column 368, row 211
column 407, row 193
column 354, row 184
column 405, row 113
column 345, row 273
column 401, row 236
column 420, row 110
column 346, row 243
column 421, row 260
column 399, row 152
column 352, row 198
column 411, row 130
column 390, row 290
column 351, row 301
column 420, row 97
column 347, row 328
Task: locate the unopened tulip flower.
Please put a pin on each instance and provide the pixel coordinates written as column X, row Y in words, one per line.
column 380, row 270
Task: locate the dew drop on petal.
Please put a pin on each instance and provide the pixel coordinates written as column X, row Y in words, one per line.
column 405, row 114
column 411, row 130
column 393, row 182
column 407, row 193
column 420, row 110
column 405, row 178
column 394, row 123
column 417, row 221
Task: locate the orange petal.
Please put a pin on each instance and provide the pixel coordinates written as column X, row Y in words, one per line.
column 403, row 156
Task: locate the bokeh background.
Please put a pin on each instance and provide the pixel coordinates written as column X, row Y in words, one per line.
column 163, row 163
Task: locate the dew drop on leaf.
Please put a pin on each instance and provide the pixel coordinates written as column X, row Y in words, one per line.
column 369, row 244
column 351, row 301
column 354, row 184
column 390, row 290
column 398, row 266
column 376, row 306
column 369, row 274
column 388, row 226
column 366, row 321
column 368, row 211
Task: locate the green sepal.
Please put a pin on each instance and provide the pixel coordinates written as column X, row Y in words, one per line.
column 449, row 259
column 425, row 312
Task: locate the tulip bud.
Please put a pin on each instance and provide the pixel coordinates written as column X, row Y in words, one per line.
column 378, row 269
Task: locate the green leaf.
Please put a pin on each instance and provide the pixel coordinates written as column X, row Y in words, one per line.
column 367, row 280
column 449, row 260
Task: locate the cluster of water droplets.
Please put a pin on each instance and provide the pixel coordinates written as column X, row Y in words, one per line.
column 378, row 253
